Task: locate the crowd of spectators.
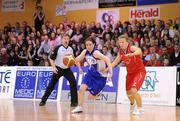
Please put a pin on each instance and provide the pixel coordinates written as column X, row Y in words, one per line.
column 23, row 45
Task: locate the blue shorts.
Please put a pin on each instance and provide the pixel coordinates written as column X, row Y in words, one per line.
column 95, row 83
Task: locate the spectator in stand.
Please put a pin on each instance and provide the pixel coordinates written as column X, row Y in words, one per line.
column 115, row 52
column 83, row 26
column 45, row 46
column 136, row 39
column 116, row 33
column 87, row 32
column 4, row 57
column 77, row 37
column 39, row 18
column 107, row 31
column 175, row 56
column 169, row 46
column 65, row 23
column 69, row 31
column 17, row 28
column 13, row 59
column 30, row 63
column 107, row 53
column 167, row 31
column 99, row 29
column 164, row 55
column 93, row 26
column 52, row 41
column 45, row 61
column 124, row 27
column 23, row 56
column 31, row 52
column 153, row 61
column 152, row 51
column 166, row 62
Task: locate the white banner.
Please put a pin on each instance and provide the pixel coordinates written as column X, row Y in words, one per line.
column 159, row 87
column 151, row 12
column 13, row 5
column 7, row 81
column 110, row 15
column 60, row 10
column 80, row 4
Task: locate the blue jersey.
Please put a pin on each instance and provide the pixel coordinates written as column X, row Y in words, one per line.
column 94, row 79
column 94, row 64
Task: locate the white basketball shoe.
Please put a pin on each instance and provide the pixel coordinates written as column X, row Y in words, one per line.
column 77, row 109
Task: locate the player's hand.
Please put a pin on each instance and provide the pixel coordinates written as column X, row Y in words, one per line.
column 129, row 55
column 55, row 70
column 109, row 77
column 123, row 57
column 80, row 71
column 105, row 70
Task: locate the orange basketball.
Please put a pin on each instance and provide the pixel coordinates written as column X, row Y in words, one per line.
column 69, row 60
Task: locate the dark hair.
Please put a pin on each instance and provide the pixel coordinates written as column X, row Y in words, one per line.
column 66, row 35
column 91, row 39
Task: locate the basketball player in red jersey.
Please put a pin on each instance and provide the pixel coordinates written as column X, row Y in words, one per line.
column 131, row 55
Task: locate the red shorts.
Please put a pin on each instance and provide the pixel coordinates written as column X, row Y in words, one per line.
column 135, row 80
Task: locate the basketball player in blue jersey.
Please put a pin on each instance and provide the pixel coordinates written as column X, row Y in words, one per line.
column 95, row 79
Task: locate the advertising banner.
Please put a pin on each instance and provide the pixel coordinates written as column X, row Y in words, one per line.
column 151, row 12
column 13, row 5
column 60, row 10
column 159, row 87
column 178, row 87
column 149, row 2
column 116, row 3
column 80, row 4
column 111, row 15
column 44, row 77
column 25, row 84
column 108, row 94
column 7, row 82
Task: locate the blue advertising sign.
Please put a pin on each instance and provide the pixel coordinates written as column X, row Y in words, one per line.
column 149, row 2
column 25, row 84
column 110, row 86
column 44, row 77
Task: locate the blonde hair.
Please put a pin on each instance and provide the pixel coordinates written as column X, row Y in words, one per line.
column 124, row 37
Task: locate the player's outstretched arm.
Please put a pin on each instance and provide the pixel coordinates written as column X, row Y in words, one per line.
column 116, row 61
column 135, row 51
column 78, row 60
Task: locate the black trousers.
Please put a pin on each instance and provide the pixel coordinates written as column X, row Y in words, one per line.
column 67, row 73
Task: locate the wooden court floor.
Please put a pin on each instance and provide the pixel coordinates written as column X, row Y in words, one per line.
column 18, row 110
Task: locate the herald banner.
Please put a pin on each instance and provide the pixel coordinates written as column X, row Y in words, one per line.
column 151, row 12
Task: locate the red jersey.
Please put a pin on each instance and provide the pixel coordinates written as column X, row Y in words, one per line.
column 133, row 64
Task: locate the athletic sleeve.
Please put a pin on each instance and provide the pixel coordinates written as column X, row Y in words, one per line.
column 54, row 53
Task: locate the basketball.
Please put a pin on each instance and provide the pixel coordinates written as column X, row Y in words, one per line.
column 69, row 60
